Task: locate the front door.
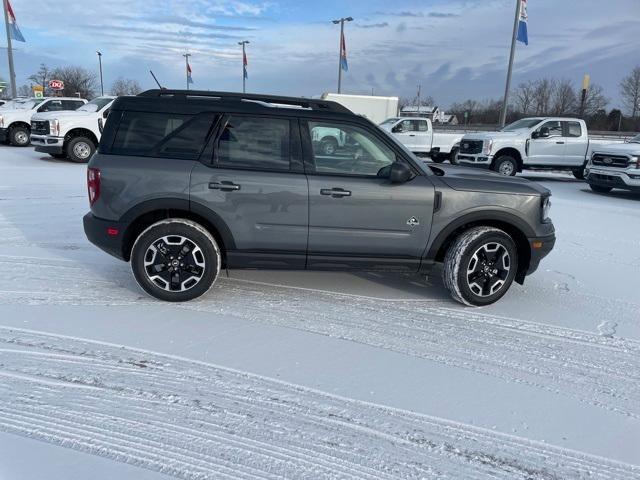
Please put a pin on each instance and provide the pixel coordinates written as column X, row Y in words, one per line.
column 357, row 218
column 548, row 150
column 256, row 186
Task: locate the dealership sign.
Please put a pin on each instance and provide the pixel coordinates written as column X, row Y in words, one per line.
column 56, row 84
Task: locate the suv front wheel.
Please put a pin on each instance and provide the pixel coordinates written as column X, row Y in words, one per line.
column 480, row 265
column 175, row 260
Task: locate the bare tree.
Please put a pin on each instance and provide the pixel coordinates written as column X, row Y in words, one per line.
column 595, row 101
column 125, row 86
column 542, row 94
column 523, row 97
column 630, row 92
column 564, row 98
column 77, row 80
column 42, row 76
column 25, row 91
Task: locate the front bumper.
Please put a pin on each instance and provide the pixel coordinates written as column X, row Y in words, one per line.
column 627, row 179
column 4, row 134
column 47, row 143
column 540, row 248
column 105, row 234
column 474, row 160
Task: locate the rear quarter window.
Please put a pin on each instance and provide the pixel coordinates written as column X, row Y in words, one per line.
column 166, row 135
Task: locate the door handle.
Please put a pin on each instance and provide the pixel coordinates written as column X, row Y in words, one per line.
column 412, row 135
column 335, row 192
column 224, row 186
column 560, row 143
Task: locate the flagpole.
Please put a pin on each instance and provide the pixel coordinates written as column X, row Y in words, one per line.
column 341, row 22
column 244, row 55
column 12, row 73
column 503, row 113
column 186, row 67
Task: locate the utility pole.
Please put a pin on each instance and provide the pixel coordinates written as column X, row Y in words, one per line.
column 583, row 95
column 186, row 65
column 100, row 62
column 244, row 65
column 503, row 113
column 418, row 97
column 12, row 72
column 341, row 22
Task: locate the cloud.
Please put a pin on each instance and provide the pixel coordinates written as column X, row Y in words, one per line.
column 373, row 25
column 402, row 27
column 406, row 14
column 443, row 15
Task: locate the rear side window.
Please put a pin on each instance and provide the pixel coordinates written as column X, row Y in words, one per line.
column 166, row 135
column 71, row 104
column 574, row 129
column 255, row 143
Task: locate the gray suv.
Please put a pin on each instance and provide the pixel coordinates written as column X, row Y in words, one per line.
column 185, row 183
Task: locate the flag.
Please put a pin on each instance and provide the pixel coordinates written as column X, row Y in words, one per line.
column 189, row 79
column 245, row 64
column 14, row 31
column 343, row 54
column 522, row 23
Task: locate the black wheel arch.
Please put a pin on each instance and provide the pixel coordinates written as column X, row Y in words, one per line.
column 517, row 228
column 511, row 152
column 81, row 132
column 20, row 124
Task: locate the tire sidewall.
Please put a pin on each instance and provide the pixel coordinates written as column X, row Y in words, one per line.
column 193, row 232
column 14, row 133
column 503, row 159
column 71, row 155
column 453, row 157
column 461, row 278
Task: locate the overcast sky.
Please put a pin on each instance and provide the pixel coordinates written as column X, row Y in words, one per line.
column 456, row 49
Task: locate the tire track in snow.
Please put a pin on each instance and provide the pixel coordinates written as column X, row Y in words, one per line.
column 593, row 369
column 194, row 420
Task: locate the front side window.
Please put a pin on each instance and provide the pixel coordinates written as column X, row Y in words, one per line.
column 167, row 135
column 52, row 106
column 555, row 128
column 574, row 129
column 343, row 149
column 255, row 143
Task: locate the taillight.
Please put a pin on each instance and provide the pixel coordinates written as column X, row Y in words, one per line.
column 93, row 184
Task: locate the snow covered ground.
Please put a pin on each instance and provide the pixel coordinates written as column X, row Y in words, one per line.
column 313, row 374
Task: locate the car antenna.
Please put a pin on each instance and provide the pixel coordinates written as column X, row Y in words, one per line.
column 156, row 80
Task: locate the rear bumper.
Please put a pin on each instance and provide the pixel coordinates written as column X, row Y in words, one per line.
column 4, row 134
column 105, row 234
column 47, row 144
column 614, row 178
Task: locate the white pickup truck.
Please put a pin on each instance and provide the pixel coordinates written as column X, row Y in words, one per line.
column 71, row 134
column 15, row 120
column 615, row 166
column 418, row 136
column 537, row 143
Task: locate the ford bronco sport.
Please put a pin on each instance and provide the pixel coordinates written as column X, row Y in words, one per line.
column 185, row 183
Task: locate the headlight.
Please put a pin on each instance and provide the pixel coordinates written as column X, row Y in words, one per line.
column 546, row 207
column 54, row 127
column 636, row 158
column 1, row 121
column 488, row 145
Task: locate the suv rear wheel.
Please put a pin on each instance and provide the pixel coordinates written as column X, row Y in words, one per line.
column 175, row 260
column 480, row 266
column 80, row 149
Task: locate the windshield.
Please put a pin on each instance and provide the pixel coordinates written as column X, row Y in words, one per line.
column 635, row 139
column 99, row 102
column 389, row 121
column 520, row 124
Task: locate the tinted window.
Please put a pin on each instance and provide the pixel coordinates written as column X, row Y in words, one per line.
column 555, row 128
column 348, row 150
column 51, row 106
column 574, row 129
column 162, row 134
column 71, row 104
column 422, row 125
column 254, row 142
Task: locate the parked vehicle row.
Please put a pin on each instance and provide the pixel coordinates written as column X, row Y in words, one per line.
column 188, row 182
column 615, row 166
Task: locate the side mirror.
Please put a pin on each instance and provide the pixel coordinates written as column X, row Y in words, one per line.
column 399, row 173
column 106, row 113
column 397, row 129
column 543, row 133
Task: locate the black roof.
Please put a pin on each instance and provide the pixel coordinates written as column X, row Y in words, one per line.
column 194, row 101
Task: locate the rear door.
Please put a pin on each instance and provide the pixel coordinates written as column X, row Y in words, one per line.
column 423, row 136
column 254, row 184
column 576, row 143
column 548, row 150
column 357, row 219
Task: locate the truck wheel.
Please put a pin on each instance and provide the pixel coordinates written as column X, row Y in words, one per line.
column 505, row 165
column 480, row 265
column 80, row 149
column 599, row 189
column 438, row 158
column 328, row 145
column 578, row 173
column 175, row 260
column 453, row 156
column 19, row 136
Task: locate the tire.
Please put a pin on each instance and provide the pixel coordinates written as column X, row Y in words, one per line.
column 58, row 155
column 160, row 244
column 578, row 173
column 452, row 156
column 328, row 145
column 471, row 272
column 599, row 189
column 505, row 165
column 19, row 136
column 438, row 158
column 80, row 149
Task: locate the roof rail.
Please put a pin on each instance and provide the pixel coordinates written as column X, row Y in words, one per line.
column 310, row 103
